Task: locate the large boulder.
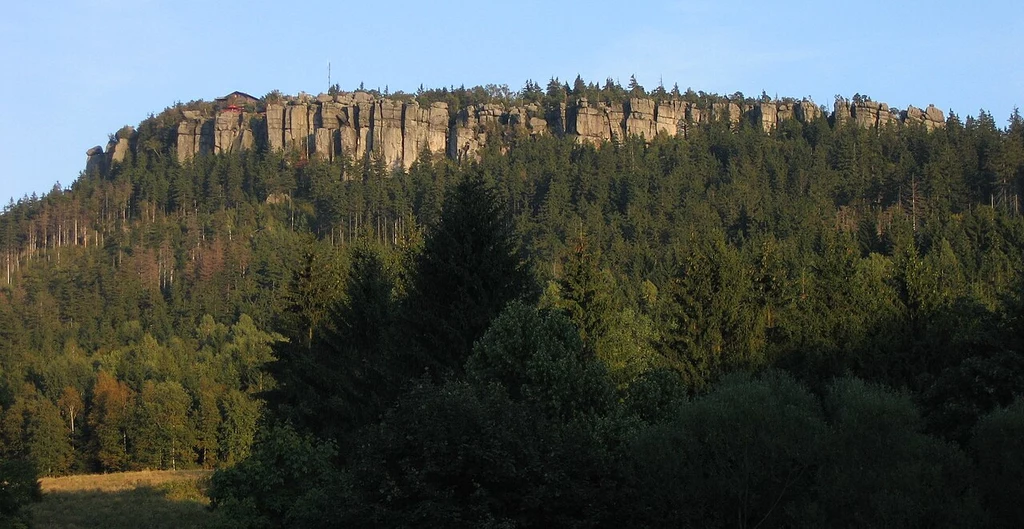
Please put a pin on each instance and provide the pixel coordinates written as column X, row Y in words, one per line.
column 934, row 118
column 95, row 160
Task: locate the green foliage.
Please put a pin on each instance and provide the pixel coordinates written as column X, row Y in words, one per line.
column 32, row 427
column 283, row 484
column 469, row 269
column 164, row 436
column 239, row 419
column 655, row 395
column 712, row 328
column 18, row 488
column 995, row 447
column 585, row 293
column 341, row 380
column 882, row 471
column 538, row 359
column 460, row 456
column 109, row 420
column 743, row 455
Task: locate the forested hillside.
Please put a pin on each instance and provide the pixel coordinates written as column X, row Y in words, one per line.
column 816, row 325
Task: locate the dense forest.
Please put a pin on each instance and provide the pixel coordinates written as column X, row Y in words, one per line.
column 819, row 325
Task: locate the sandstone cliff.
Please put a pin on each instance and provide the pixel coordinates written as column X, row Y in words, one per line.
column 118, row 149
column 358, row 125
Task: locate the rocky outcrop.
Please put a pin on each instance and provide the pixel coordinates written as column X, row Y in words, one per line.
column 95, row 160
column 593, row 122
column 806, row 111
column 298, row 128
column 231, row 132
column 870, row 114
column 359, row 125
column 931, row 117
column 766, row 114
column 117, row 151
column 386, row 129
column 275, row 128
column 640, row 118
column 340, row 129
column 470, row 129
column 529, row 119
column 726, row 111
column 118, row 148
column 425, row 129
column 599, row 122
column 670, row 117
column 841, row 112
column 195, row 136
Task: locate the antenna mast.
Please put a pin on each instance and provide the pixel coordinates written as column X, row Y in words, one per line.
column 328, row 75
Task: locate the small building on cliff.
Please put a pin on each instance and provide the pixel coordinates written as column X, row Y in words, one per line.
column 236, row 99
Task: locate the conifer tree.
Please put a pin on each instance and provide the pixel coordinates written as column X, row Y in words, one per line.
column 469, row 269
column 340, row 382
column 711, row 327
column 586, row 294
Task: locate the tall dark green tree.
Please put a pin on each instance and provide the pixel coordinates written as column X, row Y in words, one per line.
column 585, row 293
column 712, row 327
column 469, row 270
column 340, row 382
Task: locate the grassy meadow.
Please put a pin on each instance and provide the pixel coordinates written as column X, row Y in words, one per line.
column 152, row 499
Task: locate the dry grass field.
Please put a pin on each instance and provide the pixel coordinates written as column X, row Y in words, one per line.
column 154, row 499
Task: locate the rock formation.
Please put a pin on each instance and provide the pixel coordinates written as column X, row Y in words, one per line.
column 766, row 114
column 359, row 125
column 872, row 114
column 931, row 117
column 195, row 136
column 806, row 111
column 231, row 132
column 425, row 128
column 95, row 160
column 118, row 149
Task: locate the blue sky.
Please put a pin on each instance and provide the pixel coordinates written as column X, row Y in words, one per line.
column 79, row 70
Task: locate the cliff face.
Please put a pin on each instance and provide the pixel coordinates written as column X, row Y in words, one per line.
column 872, row 114
column 357, row 124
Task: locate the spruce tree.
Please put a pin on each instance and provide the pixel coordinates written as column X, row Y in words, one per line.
column 586, row 294
column 711, row 329
column 353, row 348
column 469, row 270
